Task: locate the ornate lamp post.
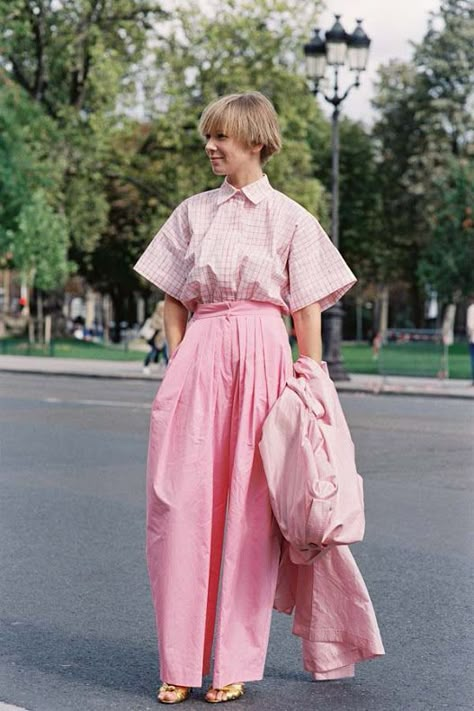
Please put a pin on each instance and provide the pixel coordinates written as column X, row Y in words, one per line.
column 334, row 50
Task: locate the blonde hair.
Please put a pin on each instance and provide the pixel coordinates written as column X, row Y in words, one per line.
column 249, row 117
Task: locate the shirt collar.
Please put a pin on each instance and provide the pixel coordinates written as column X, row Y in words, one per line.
column 255, row 192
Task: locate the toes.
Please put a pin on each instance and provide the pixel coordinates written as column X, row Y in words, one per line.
column 168, row 696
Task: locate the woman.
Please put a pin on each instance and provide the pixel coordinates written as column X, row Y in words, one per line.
column 238, row 257
column 152, row 332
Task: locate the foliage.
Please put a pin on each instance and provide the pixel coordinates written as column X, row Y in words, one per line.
column 40, row 243
column 75, row 60
column 34, row 235
column 398, row 138
column 425, row 122
column 29, row 158
column 361, row 239
column 445, row 65
column 74, row 53
column 447, row 262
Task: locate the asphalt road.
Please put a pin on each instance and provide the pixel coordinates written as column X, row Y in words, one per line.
column 76, row 622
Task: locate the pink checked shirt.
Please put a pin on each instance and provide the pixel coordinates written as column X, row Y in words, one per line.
column 254, row 243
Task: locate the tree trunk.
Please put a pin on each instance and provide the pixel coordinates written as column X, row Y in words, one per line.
column 383, row 298
column 90, row 309
column 117, row 305
column 359, row 333
column 449, row 317
column 6, row 291
column 40, row 315
column 24, row 294
column 418, row 298
column 140, row 309
column 107, row 315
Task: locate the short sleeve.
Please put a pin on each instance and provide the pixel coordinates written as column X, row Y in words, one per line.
column 163, row 261
column 316, row 270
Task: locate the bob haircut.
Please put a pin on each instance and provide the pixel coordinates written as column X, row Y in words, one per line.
column 249, row 117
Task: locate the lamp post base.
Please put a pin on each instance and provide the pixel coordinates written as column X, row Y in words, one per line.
column 332, row 338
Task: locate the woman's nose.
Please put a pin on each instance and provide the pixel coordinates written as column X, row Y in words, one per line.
column 210, row 145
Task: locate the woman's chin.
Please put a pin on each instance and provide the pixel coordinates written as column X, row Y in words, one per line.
column 218, row 169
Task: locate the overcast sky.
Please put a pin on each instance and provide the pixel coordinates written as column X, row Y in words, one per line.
column 390, row 25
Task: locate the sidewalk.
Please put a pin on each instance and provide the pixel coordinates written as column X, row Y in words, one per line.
column 132, row 370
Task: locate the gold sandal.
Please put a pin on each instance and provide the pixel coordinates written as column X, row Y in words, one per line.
column 231, row 692
column 182, row 693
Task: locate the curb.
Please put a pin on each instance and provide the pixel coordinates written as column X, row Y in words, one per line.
column 343, row 387
column 400, row 391
column 75, row 374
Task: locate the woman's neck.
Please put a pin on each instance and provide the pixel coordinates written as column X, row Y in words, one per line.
column 243, row 178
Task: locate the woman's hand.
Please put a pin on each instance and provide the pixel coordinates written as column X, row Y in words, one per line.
column 308, row 331
column 176, row 319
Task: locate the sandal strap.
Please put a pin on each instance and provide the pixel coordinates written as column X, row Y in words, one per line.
column 234, row 687
column 231, row 692
column 182, row 692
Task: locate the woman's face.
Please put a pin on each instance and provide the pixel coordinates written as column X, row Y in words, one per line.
column 228, row 155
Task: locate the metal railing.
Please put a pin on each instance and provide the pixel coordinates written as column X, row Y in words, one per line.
column 413, row 351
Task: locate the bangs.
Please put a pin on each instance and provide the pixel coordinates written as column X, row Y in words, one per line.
column 226, row 117
column 249, row 118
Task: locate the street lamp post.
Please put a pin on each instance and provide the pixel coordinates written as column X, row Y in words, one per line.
column 333, row 51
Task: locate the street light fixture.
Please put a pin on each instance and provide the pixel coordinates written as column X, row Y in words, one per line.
column 358, row 50
column 333, row 51
column 336, row 44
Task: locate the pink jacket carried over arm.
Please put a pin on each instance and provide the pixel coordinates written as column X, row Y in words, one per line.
column 317, row 500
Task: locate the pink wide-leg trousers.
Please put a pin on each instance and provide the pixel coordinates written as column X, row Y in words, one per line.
column 208, row 511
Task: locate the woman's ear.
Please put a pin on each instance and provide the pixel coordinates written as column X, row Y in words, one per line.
column 256, row 148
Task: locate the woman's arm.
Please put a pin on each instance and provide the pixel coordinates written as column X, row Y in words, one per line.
column 308, row 331
column 176, row 319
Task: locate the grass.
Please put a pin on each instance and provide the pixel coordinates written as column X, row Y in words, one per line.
column 415, row 359
column 70, row 348
column 403, row 359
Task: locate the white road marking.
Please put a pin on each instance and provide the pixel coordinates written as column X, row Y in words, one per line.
column 98, row 403
column 9, row 707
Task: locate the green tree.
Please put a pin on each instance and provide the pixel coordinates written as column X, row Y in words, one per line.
column 40, row 244
column 445, row 64
column 77, row 59
column 74, row 54
column 361, row 236
column 446, row 264
column 34, row 237
column 29, row 158
column 424, row 122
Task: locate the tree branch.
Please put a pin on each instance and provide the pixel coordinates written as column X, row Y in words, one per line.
column 20, row 77
column 80, row 74
column 143, row 187
column 37, row 26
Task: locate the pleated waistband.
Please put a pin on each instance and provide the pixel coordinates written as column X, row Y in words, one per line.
column 239, row 307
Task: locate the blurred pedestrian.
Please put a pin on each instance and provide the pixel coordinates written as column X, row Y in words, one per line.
column 238, row 257
column 376, row 345
column 154, row 334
